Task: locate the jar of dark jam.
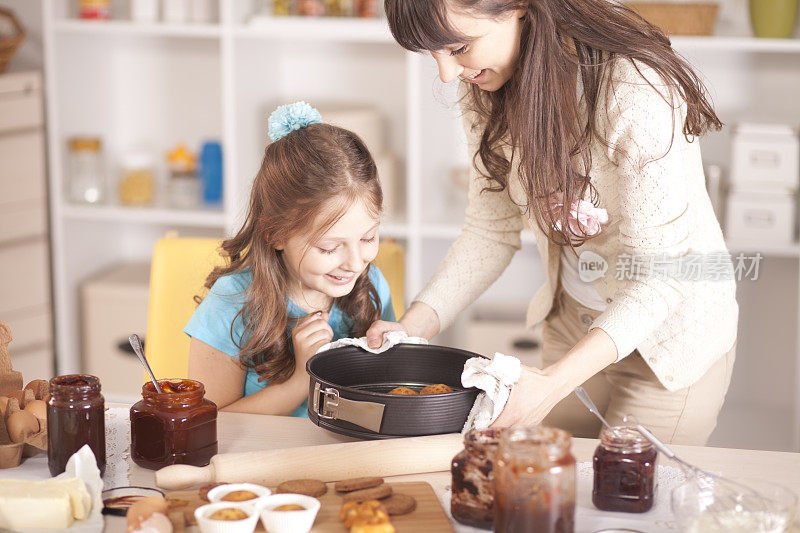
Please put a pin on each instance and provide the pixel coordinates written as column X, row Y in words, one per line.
column 624, row 471
column 472, row 499
column 176, row 426
column 75, row 416
column 534, row 481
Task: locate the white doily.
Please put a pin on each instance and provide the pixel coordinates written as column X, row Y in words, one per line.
column 589, row 519
column 118, row 447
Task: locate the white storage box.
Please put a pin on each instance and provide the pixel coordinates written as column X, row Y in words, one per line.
column 114, row 305
column 364, row 121
column 765, row 158
column 760, row 218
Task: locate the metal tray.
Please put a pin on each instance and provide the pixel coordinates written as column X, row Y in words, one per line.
column 349, row 391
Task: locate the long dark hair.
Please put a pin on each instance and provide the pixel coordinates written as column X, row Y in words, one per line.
column 310, row 169
column 537, row 109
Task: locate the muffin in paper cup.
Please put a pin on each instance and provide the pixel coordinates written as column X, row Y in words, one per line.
column 216, row 494
column 276, row 521
column 210, row 525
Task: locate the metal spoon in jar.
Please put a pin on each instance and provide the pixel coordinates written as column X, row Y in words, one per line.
column 583, row 396
column 136, row 344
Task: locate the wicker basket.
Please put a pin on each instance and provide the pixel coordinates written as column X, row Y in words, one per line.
column 9, row 42
column 679, row 18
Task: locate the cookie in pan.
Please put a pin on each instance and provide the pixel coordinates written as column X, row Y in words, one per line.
column 437, row 388
column 403, row 391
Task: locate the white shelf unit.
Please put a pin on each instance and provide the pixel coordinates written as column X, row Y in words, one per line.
column 165, row 83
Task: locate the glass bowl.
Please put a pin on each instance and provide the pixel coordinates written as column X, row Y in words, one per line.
column 719, row 507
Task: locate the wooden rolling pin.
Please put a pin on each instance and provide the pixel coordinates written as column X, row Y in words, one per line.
column 327, row 462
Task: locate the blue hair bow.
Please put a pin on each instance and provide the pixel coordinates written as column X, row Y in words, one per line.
column 291, row 117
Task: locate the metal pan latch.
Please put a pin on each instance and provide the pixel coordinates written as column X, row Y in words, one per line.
column 329, row 405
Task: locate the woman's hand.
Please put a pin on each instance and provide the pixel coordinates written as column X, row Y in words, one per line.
column 538, row 391
column 378, row 328
column 310, row 334
column 420, row 320
column 532, row 398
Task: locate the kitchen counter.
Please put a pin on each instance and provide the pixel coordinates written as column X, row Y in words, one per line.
column 242, row 432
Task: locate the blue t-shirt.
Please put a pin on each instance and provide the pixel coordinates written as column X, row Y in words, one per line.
column 211, row 321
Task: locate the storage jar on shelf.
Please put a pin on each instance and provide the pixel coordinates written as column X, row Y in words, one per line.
column 185, row 188
column 137, row 183
column 86, row 180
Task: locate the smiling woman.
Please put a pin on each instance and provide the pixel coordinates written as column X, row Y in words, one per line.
column 581, row 119
column 298, row 273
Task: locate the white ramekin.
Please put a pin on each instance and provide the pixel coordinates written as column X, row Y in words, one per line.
column 217, row 493
column 207, row 525
column 289, row 521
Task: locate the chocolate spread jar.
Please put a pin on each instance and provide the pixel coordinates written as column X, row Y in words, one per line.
column 176, row 426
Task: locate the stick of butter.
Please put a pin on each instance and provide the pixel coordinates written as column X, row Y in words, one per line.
column 49, row 504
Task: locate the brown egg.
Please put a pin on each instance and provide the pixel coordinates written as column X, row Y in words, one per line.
column 40, row 387
column 144, row 508
column 12, row 406
column 21, row 425
column 38, row 408
column 19, row 395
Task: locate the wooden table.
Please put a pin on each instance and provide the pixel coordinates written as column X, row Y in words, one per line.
column 241, row 432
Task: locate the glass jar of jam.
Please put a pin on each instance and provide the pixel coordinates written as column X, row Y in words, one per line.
column 472, row 499
column 176, row 426
column 624, row 471
column 75, row 416
column 534, row 476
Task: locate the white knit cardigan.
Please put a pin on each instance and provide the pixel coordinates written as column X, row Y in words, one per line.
column 650, row 180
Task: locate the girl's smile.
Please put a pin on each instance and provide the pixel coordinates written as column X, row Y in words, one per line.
column 327, row 267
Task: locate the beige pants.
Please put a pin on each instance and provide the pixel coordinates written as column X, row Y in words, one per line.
column 686, row 416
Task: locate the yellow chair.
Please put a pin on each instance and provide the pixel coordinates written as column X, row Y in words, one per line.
column 178, row 272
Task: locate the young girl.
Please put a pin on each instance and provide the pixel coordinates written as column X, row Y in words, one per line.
column 298, row 273
column 582, row 119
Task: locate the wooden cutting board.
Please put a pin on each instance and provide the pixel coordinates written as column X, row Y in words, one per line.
column 428, row 516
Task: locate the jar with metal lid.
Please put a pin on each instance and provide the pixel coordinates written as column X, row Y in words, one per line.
column 176, row 426
column 86, row 178
column 534, row 475
column 624, row 471
column 472, row 498
column 75, row 416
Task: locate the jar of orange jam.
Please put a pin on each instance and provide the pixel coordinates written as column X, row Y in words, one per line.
column 176, row 426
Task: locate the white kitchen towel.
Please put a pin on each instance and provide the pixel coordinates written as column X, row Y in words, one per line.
column 390, row 339
column 495, row 377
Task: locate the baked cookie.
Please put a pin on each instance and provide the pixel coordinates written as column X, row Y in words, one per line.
column 375, row 493
column 403, row 391
column 358, row 483
column 438, row 388
column 399, row 504
column 309, row 487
